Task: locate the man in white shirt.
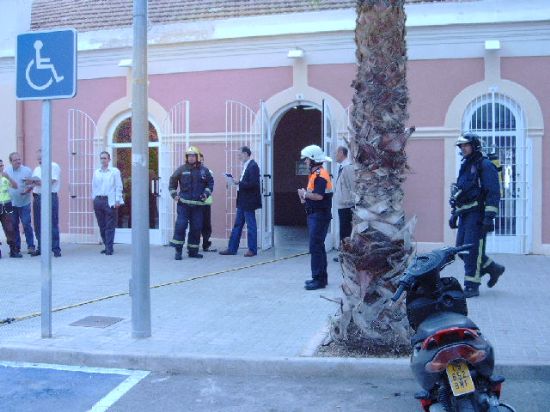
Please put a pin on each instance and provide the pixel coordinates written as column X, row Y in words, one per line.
column 36, row 182
column 107, row 196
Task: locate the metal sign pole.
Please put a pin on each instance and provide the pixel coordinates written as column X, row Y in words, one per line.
column 45, row 64
column 46, row 220
column 140, row 283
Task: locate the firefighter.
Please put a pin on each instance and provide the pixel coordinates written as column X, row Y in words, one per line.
column 475, row 205
column 317, row 199
column 195, row 187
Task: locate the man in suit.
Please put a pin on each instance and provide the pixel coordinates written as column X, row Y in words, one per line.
column 248, row 200
column 344, row 194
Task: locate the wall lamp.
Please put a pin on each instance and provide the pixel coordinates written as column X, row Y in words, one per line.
column 295, row 53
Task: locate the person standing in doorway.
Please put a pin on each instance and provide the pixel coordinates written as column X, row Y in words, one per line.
column 475, row 203
column 196, row 185
column 317, row 198
column 206, row 231
column 36, row 182
column 248, row 200
column 344, row 194
column 6, row 210
column 21, row 198
column 107, row 196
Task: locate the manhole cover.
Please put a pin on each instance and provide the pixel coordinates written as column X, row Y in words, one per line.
column 96, row 321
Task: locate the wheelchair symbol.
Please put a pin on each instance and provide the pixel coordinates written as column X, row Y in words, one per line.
column 41, row 63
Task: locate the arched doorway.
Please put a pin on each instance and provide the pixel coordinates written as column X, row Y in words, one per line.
column 298, row 127
column 499, row 121
column 121, row 147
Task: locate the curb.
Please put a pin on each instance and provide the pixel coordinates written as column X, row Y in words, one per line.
column 249, row 366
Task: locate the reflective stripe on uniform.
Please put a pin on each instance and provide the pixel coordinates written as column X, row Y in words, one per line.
column 491, row 209
column 479, row 263
column 468, row 206
column 177, row 242
column 192, row 202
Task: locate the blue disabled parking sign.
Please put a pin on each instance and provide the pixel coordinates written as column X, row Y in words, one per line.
column 46, row 65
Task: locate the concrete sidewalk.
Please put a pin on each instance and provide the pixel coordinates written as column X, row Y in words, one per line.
column 226, row 313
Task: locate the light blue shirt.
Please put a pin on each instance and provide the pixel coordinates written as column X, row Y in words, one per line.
column 18, row 197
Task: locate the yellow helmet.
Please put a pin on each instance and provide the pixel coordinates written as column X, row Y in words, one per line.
column 193, row 150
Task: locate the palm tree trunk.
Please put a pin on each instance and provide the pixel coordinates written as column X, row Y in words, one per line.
column 380, row 246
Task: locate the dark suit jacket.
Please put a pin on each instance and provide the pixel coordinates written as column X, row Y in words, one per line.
column 248, row 195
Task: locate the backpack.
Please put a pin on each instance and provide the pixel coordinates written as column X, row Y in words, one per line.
column 493, row 157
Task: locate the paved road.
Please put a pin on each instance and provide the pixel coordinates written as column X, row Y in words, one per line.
column 276, row 394
column 38, row 389
column 28, row 387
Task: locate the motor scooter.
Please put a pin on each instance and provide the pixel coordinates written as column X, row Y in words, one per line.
column 451, row 358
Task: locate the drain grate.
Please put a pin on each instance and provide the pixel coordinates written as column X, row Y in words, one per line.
column 96, row 321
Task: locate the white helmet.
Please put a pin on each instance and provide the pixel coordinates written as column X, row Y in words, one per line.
column 314, row 153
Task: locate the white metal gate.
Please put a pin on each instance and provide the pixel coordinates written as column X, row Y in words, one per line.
column 501, row 124
column 266, row 170
column 84, row 147
column 330, row 241
column 244, row 127
column 174, row 141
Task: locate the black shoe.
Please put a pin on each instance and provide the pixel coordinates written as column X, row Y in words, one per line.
column 103, row 251
column 471, row 290
column 15, row 255
column 207, row 249
column 178, row 255
column 495, row 271
column 315, row 284
column 196, row 256
column 56, row 254
column 108, row 252
column 307, row 282
column 226, row 252
column 36, row 253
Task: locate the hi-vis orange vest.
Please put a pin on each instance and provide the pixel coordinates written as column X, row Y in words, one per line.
column 322, row 173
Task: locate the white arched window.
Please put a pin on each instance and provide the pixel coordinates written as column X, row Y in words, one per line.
column 500, row 123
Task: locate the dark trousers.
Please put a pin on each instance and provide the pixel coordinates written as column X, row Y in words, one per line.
column 206, row 231
column 23, row 214
column 106, row 220
column 470, row 232
column 192, row 216
column 345, row 217
column 242, row 217
column 7, row 224
column 318, row 223
column 55, row 221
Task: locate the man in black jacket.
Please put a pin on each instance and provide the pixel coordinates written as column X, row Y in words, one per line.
column 248, row 200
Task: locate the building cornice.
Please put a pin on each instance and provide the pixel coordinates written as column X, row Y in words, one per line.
column 321, row 47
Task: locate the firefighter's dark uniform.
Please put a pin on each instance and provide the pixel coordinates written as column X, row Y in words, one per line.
column 477, row 201
column 318, row 221
column 195, row 187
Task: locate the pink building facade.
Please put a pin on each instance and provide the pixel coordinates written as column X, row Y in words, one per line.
column 218, row 84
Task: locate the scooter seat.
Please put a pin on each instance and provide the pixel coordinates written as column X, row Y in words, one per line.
column 438, row 321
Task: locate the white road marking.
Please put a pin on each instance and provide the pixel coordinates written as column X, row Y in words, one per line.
column 134, row 377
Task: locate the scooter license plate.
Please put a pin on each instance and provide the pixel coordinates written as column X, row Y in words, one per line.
column 460, row 379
